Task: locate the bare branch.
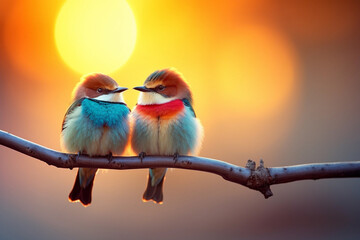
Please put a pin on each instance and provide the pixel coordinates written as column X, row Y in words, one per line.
column 259, row 178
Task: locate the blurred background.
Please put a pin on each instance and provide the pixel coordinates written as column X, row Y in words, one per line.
column 277, row 80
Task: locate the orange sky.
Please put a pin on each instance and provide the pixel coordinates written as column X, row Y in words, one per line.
column 277, row 80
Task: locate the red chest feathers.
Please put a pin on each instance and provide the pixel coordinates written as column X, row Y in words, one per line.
column 161, row 110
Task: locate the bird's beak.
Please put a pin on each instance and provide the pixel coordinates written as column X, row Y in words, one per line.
column 143, row 89
column 119, row 89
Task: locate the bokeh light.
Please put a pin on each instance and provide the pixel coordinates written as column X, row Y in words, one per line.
column 257, row 70
column 277, row 80
column 26, row 38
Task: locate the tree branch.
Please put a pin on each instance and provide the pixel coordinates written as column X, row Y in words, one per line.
column 259, row 178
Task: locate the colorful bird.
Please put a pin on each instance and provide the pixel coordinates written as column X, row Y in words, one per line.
column 164, row 123
column 96, row 124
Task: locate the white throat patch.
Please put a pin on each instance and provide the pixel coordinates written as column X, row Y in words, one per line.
column 111, row 97
column 148, row 98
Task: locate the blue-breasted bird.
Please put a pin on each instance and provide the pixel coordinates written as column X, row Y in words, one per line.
column 164, row 123
column 96, row 124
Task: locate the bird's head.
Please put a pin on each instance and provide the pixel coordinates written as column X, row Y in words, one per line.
column 163, row 86
column 98, row 86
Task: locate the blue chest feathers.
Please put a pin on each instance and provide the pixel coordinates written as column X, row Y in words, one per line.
column 102, row 113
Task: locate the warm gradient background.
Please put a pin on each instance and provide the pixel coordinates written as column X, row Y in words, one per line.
column 278, row 80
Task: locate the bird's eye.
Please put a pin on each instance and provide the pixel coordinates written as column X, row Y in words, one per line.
column 160, row 87
column 99, row 90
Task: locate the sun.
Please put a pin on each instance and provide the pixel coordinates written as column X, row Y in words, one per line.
column 95, row 36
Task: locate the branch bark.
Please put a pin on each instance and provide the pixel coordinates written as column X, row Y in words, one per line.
column 258, row 178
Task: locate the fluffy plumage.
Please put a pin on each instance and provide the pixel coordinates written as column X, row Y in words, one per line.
column 94, row 127
column 161, row 133
column 164, row 124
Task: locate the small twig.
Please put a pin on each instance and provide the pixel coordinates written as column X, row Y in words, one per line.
column 259, row 178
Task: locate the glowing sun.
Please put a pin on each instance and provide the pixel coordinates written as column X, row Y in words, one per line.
column 95, row 36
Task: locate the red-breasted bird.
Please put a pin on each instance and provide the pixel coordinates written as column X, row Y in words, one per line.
column 96, row 124
column 164, row 123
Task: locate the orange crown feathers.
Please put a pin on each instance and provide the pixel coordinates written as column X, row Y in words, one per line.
column 170, row 77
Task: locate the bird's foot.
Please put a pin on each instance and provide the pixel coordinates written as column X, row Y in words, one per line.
column 176, row 156
column 78, row 155
column 142, row 155
column 73, row 159
column 109, row 157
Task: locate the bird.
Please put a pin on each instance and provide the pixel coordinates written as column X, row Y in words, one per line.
column 164, row 123
column 96, row 124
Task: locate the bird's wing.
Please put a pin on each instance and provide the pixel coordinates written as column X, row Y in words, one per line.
column 188, row 104
column 75, row 104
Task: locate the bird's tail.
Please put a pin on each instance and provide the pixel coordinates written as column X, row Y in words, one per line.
column 83, row 185
column 154, row 189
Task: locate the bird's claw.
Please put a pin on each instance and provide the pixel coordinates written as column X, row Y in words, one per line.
column 142, row 155
column 176, row 156
column 77, row 156
column 74, row 159
column 110, row 157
